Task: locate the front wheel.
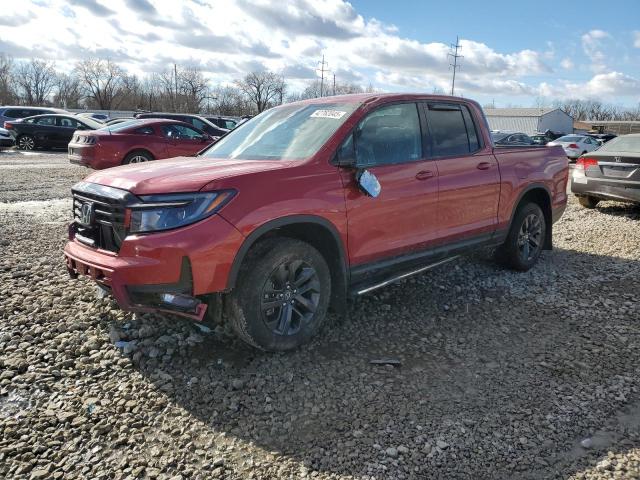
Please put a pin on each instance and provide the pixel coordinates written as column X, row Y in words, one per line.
column 525, row 240
column 281, row 296
column 26, row 142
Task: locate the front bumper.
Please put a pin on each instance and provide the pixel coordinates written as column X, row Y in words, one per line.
column 149, row 266
column 606, row 189
column 7, row 142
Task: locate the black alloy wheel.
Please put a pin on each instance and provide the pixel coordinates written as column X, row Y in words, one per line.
column 530, row 237
column 26, row 142
column 290, row 297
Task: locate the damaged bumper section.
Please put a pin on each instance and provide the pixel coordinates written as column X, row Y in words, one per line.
column 176, row 298
column 145, row 275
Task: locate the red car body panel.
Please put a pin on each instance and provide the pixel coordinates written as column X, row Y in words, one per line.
column 112, row 147
column 423, row 203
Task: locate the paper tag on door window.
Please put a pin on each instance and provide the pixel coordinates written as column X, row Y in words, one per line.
column 336, row 114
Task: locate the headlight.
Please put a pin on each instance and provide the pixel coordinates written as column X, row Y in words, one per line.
column 164, row 212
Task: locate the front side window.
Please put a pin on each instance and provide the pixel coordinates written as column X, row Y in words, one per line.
column 47, row 121
column 451, row 130
column 389, row 135
column 291, row 132
column 180, row 132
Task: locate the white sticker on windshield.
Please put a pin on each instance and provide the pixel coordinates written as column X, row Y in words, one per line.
column 336, row 114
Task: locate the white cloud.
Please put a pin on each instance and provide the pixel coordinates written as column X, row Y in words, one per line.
column 227, row 38
column 602, row 85
column 566, row 63
column 592, row 44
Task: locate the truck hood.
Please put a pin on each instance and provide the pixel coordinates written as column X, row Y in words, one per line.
column 180, row 174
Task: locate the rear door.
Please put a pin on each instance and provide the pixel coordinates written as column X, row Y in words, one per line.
column 389, row 143
column 469, row 180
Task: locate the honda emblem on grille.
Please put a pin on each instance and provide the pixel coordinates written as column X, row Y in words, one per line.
column 618, row 159
column 86, row 214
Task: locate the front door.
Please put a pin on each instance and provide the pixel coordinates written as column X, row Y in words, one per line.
column 183, row 141
column 388, row 143
column 469, row 180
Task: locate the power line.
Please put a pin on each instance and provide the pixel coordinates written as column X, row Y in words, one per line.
column 454, row 65
column 322, row 71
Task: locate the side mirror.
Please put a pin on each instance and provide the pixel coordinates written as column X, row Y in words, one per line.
column 368, row 183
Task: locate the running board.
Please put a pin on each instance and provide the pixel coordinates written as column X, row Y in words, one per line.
column 401, row 276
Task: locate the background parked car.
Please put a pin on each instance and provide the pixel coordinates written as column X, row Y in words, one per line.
column 540, row 139
column 6, row 140
column 502, row 139
column 9, row 113
column 100, row 117
column 602, row 137
column 611, row 173
column 223, row 122
column 47, row 131
column 115, row 121
column 576, row 145
column 197, row 121
column 136, row 141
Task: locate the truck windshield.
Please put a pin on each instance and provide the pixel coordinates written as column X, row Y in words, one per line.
column 288, row 132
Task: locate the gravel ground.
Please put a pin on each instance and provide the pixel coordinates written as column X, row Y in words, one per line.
column 501, row 376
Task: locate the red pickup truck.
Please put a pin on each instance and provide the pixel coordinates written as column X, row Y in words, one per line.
column 309, row 203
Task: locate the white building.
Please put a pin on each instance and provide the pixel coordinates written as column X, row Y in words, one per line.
column 529, row 120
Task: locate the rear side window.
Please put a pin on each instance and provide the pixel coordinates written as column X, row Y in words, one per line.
column 144, row 131
column 452, row 131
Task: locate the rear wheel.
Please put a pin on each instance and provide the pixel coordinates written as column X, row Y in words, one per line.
column 282, row 295
column 137, row 157
column 525, row 240
column 26, row 142
column 588, row 202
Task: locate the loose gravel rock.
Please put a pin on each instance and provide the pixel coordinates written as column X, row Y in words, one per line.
column 507, row 382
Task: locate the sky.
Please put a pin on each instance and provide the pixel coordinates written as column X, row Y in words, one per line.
column 513, row 53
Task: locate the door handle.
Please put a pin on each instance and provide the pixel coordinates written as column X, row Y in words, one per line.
column 483, row 166
column 425, row 175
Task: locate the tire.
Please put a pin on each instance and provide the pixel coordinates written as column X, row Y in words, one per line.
column 26, row 142
column 137, row 157
column 277, row 270
column 588, row 202
column 525, row 240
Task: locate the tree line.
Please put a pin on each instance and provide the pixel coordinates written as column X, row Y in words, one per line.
column 105, row 85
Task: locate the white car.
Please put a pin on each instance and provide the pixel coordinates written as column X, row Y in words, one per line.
column 576, row 145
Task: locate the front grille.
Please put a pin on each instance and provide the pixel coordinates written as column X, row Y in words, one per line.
column 104, row 225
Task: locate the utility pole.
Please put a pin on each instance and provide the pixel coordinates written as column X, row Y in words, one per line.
column 322, row 70
column 454, row 54
column 334, row 84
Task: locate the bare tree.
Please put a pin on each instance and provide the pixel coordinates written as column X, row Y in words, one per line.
column 193, row 87
column 68, row 91
column 103, row 81
column 7, row 90
column 35, row 79
column 263, row 89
